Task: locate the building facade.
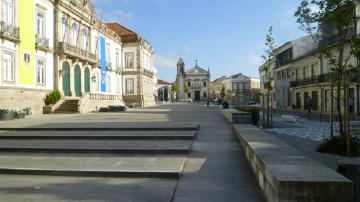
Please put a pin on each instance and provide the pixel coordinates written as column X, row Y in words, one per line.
column 139, row 77
column 237, row 89
column 26, row 49
column 218, row 89
column 194, row 83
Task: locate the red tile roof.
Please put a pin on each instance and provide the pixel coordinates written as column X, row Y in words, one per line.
column 126, row 34
column 162, row 82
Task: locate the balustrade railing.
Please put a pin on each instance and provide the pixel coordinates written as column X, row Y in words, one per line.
column 324, row 78
column 9, row 31
column 42, row 42
column 76, row 52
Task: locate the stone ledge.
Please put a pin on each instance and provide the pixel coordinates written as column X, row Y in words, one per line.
column 286, row 174
column 237, row 117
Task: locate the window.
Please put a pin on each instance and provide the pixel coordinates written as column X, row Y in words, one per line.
column 96, row 45
column 306, row 73
column 204, row 83
column 118, row 84
column 298, row 74
column 108, row 53
column 129, row 60
column 117, row 58
column 189, row 95
column 97, row 77
column 108, row 83
column 40, row 24
column 64, row 20
column 313, row 70
column 9, row 66
column 247, row 86
column 189, row 84
column 75, row 33
column 40, row 72
column 129, row 86
column 205, row 94
column 288, row 73
column 8, row 10
column 85, row 39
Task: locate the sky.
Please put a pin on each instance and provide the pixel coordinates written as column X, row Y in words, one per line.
column 226, row 36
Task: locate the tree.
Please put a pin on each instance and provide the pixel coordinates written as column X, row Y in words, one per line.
column 332, row 25
column 174, row 90
column 268, row 57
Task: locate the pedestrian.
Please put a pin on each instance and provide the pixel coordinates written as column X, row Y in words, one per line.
column 310, row 106
column 351, row 105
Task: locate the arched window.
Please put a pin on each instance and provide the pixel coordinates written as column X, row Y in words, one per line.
column 64, row 21
column 85, row 38
column 75, row 33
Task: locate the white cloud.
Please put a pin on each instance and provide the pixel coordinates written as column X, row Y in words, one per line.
column 250, row 61
column 165, row 61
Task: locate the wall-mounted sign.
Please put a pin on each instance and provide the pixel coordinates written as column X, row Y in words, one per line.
column 26, row 57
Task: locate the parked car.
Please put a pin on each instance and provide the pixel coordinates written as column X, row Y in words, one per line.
column 186, row 100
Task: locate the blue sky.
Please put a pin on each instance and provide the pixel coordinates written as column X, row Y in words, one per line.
column 226, row 35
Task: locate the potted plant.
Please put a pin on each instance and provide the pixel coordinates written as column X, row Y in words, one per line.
column 6, row 114
column 20, row 115
column 27, row 111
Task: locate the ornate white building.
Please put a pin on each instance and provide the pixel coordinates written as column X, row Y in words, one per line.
column 194, row 83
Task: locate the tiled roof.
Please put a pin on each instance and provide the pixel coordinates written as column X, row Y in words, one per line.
column 162, row 82
column 197, row 70
column 126, row 34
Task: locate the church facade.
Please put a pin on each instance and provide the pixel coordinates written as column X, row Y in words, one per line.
column 194, row 83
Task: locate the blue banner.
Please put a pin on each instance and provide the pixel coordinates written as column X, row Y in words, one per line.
column 103, row 64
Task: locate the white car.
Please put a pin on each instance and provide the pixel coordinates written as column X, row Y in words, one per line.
column 186, row 100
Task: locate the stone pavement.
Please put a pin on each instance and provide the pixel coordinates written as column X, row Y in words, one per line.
column 313, row 130
column 215, row 170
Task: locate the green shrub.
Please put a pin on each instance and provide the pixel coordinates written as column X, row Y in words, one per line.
column 255, row 113
column 338, row 146
column 53, row 97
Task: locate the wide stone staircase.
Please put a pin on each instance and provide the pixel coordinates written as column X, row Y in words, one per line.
column 68, row 106
column 97, row 150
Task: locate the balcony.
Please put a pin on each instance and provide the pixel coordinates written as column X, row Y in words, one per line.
column 119, row 70
column 9, row 32
column 109, row 66
column 148, row 73
column 323, row 78
column 42, row 43
column 77, row 53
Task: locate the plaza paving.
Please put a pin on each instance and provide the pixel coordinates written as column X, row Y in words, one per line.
column 213, row 169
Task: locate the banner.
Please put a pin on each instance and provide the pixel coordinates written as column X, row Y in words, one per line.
column 26, row 57
column 103, row 63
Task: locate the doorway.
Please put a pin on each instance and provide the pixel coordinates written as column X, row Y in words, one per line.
column 197, row 95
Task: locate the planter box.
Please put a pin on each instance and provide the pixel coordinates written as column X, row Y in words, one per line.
column 6, row 116
column 47, row 109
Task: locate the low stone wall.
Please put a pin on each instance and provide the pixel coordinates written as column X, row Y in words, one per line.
column 95, row 105
column 237, row 117
column 20, row 98
column 286, row 174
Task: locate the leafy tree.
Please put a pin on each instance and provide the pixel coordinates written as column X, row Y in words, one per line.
column 332, row 25
column 268, row 57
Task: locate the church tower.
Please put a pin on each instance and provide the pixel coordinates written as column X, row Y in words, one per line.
column 180, row 67
column 180, row 78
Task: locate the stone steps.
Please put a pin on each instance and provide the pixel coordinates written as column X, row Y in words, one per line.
column 99, row 135
column 147, row 166
column 68, row 106
column 97, row 146
column 105, row 127
column 100, row 149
